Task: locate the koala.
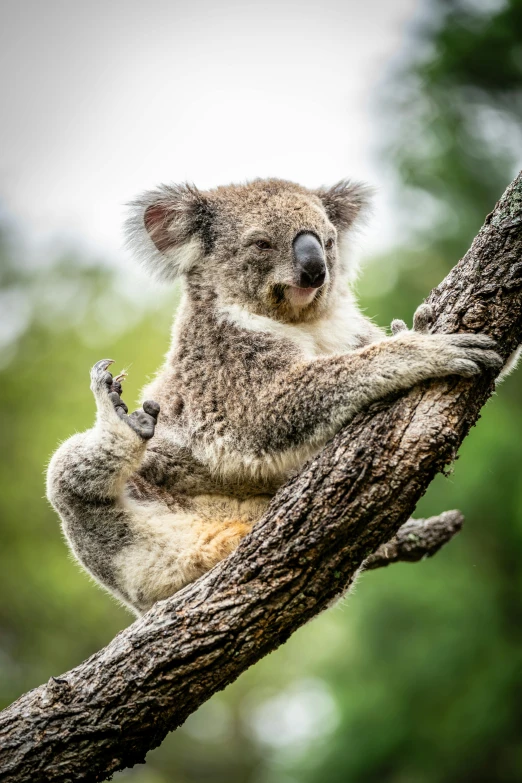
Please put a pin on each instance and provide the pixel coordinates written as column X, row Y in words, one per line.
column 270, row 357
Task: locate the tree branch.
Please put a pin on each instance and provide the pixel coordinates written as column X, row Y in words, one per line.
column 105, row 714
column 416, row 540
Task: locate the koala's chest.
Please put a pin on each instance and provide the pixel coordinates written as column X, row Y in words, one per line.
column 325, row 338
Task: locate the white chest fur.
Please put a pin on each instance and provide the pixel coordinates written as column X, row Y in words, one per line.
column 337, row 332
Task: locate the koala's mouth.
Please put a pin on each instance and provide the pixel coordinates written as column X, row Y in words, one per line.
column 292, row 302
column 300, row 297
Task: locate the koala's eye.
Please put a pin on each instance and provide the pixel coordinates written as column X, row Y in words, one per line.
column 262, row 244
column 329, row 244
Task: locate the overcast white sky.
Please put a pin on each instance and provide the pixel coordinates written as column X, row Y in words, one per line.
column 101, row 100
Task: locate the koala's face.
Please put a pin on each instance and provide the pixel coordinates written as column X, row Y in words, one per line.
column 270, row 246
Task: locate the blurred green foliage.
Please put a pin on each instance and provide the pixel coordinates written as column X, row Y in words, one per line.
column 417, row 676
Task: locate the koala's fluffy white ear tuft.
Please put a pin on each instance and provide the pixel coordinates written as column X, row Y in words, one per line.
column 170, row 228
column 345, row 202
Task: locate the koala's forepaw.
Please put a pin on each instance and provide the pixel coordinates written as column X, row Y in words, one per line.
column 144, row 421
column 470, row 353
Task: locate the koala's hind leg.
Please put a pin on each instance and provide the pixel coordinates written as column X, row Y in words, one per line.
column 141, row 550
column 87, row 476
column 172, row 549
column 96, row 464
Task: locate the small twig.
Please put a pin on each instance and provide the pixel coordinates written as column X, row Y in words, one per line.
column 417, row 539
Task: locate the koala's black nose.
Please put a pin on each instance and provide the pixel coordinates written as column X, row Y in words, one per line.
column 309, row 257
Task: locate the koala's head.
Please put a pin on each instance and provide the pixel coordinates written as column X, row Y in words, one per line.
column 271, row 246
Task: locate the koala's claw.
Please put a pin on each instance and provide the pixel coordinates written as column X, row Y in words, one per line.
column 116, row 383
column 102, row 365
column 100, row 378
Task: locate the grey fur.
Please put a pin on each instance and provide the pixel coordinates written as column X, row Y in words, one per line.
column 259, row 376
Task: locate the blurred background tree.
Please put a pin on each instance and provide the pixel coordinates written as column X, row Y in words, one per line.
column 417, row 677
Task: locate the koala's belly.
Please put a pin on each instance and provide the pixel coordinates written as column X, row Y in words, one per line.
column 224, row 508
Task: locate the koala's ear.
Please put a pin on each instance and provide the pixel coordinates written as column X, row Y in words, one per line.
column 170, row 228
column 345, row 202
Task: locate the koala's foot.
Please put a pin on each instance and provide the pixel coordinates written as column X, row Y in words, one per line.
column 107, row 391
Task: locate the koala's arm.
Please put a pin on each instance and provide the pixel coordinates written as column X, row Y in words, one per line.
column 313, row 399
column 87, row 475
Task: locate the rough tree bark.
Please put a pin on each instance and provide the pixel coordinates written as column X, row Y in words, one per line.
column 108, row 712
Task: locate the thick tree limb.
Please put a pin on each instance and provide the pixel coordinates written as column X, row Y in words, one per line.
column 109, row 711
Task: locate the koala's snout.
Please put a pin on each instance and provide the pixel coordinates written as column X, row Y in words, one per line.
column 309, row 259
